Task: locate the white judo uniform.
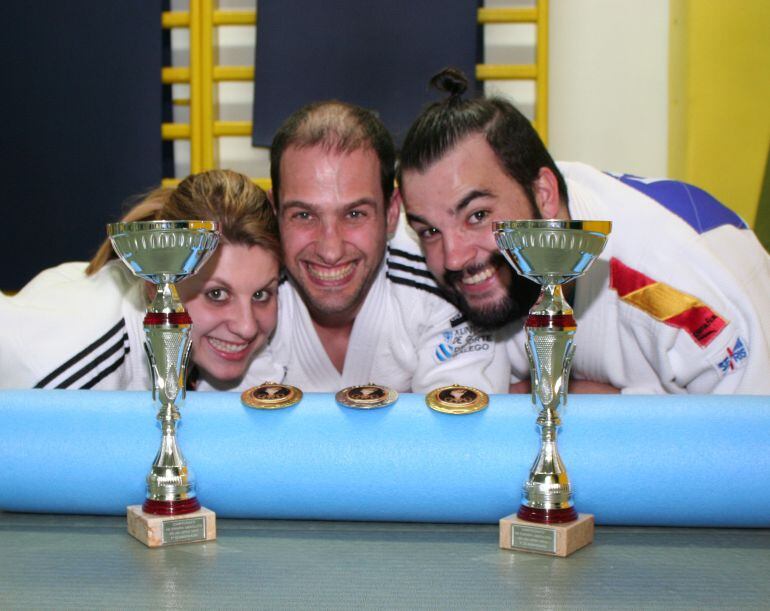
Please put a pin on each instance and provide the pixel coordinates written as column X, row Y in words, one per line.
column 677, row 301
column 71, row 331
column 406, row 336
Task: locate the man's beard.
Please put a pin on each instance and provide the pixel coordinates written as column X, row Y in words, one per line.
column 520, row 297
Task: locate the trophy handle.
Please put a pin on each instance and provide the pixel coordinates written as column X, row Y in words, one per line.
column 153, row 369
column 185, row 369
column 565, row 374
column 533, row 374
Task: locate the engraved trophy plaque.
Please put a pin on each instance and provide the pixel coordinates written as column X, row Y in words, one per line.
column 163, row 253
column 551, row 253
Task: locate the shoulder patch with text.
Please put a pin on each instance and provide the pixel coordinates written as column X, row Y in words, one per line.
column 665, row 303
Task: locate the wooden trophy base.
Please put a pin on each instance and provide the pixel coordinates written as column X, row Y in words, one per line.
column 551, row 539
column 159, row 531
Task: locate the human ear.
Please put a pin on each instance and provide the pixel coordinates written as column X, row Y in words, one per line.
column 271, row 199
column 393, row 211
column 547, row 197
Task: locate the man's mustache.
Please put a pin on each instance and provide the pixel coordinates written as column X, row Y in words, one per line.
column 453, row 277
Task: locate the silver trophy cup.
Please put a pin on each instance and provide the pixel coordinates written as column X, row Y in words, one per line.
column 551, row 253
column 165, row 252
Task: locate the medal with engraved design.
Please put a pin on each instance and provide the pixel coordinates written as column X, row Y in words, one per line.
column 271, row 395
column 366, row 396
column 457, row 399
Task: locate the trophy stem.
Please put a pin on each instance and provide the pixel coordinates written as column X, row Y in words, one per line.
column 170, row 489
column 550, row 330
column 547, row 492
column 170, row 485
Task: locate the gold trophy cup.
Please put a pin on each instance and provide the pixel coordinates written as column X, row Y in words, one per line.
column 551, row 253
column 163, row 253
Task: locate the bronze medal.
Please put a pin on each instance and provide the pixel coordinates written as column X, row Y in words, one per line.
column 366, row 396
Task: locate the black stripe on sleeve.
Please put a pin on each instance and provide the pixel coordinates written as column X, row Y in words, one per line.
column 416, row 285
column 412, row 270
column 87, row 350
column 88, row 367
column 397, row 252
column 105, row 372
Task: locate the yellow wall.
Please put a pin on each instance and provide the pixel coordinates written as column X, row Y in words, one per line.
column 719, row 98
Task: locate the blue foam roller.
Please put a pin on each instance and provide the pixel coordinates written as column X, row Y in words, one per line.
column 637, row 460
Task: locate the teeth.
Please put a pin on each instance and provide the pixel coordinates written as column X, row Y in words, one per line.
column 226, row 346
column 487, row 272
column 330, row 273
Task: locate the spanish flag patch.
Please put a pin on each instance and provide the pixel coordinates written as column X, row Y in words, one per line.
column 665, row 303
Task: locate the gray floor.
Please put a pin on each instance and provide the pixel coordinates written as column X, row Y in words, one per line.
column 58, row 561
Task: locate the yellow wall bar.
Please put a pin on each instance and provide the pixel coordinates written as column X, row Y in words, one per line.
column 541, row 59
column 719, row 87
column 174, row 19
column 233, row 73
column 208, row 157
column 196, row 88
column 175, row 131
column 232, row 128
column 507, row 15
column 170, row 75
column 235, row 17
column 486, row 72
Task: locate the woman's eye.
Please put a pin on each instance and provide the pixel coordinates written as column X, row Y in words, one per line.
column 217, row 294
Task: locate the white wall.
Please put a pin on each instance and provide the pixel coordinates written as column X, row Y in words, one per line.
column 609, row 84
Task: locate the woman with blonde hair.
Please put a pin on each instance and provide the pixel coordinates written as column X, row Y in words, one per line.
column 79, row 325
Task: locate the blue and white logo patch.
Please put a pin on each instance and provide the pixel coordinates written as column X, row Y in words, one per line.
column 459, row 340
column 737, row 356
column 445, row 349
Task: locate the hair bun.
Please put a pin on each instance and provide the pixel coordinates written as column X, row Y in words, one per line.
column 451, row 81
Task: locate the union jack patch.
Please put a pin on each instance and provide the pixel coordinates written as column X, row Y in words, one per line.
column 736, row 357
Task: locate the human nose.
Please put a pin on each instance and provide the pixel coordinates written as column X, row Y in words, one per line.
column 330, row 246
column 458, row 251
column 243, row 321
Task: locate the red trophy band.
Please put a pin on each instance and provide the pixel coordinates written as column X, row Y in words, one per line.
column 171, row 508
column 561, row 322
column 547, row 516
column 167, row 318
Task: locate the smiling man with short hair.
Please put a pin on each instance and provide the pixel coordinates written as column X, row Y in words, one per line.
column 359, row 305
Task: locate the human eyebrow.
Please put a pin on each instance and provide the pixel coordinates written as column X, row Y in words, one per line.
column 364, row 201
column 216, row 283
column 469, row 198
column 415, row 218
column 298, row 204
column 269, row 284
column 461, row 205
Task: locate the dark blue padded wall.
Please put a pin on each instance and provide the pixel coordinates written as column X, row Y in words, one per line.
column 81, row 109
column 379, row 55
